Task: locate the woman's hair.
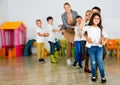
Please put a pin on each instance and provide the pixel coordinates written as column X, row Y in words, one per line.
column 66, row 3
column 88, row 11
column 91, row 20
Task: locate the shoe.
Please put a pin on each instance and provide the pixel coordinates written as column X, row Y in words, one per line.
column 103, row 80
column 68, row 61
column 57, row 55
column 93, row 79
column 81, row 67
column 53, row 59
column 74, row 64
column 43, row 60
column 40, row 60
column 86, row 69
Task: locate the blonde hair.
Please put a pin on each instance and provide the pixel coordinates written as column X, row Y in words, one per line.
column 88, row 11
column 66, row 3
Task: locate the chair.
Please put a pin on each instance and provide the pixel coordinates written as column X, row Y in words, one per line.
column 111, row 45
column 118, row 45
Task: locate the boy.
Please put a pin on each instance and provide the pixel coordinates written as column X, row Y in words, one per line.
column 77, row 43
column 53, row 40
column 40, row 40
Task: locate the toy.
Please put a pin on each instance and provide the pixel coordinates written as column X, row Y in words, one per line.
column 13, row 37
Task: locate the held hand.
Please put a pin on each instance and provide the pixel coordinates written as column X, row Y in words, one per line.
column 46, row 34
column 56, row 30
column 60, row 25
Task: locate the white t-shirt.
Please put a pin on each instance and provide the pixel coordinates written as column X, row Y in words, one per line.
column 77, row 31
column 40, row 38
column 94, row 33
column 52, row 35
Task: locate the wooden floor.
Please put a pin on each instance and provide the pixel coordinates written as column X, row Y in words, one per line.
column 28, row 71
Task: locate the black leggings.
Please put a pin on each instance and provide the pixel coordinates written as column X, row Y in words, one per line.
column 85, row 54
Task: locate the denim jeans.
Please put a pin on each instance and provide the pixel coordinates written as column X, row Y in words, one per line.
column 78, row 52
column 53, row 46
column 96, row 57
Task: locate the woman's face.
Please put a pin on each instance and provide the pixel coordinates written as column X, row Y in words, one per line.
column 96, row 20
column 67, row 8
column 88, row 15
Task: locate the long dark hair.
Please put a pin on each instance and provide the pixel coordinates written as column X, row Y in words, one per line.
column 91, row 20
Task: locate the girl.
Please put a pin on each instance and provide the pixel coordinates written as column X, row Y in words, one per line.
column 83, row 42
column 95, row 32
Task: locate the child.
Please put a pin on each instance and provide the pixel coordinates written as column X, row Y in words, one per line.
column 40, row 40
column 77, row 43
column 85, row 54
column 53, row 40
column 96, row 10
column 94, row 43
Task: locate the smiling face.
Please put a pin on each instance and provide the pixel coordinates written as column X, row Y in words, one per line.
column 88, row 15
column 67, row 7
column 78, row 21
column 96, row 20
column 50, row 21
column 39, row 23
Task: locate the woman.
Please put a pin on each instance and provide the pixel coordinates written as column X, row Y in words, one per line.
column 68, row 19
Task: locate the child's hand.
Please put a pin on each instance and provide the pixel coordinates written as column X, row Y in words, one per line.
column 60, row 25
column 89, row 40
column 56, row 30
column 79, row 35
column 46, row 34
column 100, row 41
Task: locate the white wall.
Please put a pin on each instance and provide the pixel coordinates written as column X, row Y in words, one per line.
column 3, row 10
column 3, row 13
column 30, row 10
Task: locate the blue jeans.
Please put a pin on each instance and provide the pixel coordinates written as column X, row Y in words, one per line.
column 78, row 52
column 96, row 57
column 53, row 46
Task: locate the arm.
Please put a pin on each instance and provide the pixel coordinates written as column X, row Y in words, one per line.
column 64, row 20
column 85, row 33
column 41, row 34
column 104, row 37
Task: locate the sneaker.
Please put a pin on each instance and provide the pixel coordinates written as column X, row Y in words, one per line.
column 74, row 64
column 103, row 80
column 69, row 62
column 81, row 66
column 43, row 60
column 93, row 79
column 40, row 60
